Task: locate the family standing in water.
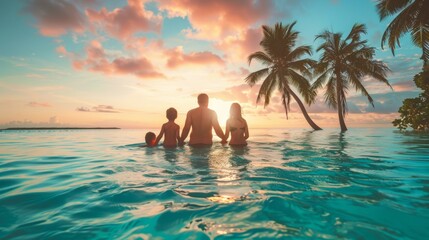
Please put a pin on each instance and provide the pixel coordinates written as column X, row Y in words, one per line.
column 200, row 121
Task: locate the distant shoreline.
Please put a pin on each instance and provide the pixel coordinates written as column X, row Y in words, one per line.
column 61, row 128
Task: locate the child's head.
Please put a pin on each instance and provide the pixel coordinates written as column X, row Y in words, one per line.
column 171, row 114
column 150, row 139
column 235, row 111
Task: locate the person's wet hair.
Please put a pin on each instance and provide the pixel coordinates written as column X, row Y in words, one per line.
column 171, row 114
column 235, row 111
column 150, row 138
column 203, row 99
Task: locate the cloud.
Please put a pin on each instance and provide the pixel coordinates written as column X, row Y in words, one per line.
column 83, row 109
column 97, row 60
column 177, row 58
column 239, row 47
column 214, row 19
column 61, row 50
column 124, row 22
column 242, row 93
column 38, row 104
column 99, row 108
column 56, row 17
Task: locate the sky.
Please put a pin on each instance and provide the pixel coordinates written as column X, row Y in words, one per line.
column 122, row 63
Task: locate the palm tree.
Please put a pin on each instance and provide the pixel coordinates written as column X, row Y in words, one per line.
column 284, row 68
column 413, row 17
column 343, row 63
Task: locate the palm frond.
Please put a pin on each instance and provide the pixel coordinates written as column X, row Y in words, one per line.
column 303, row 65
column 260, row 56
column 355, row 81
column 331, row 93
column 398, row 27
column 302, row 84
column 267, row 88
column 420, row 37
column 321, row 79
column 286, row 97
column 299, row 52
column 356, row 31
column 254, row 77
column 389, row 7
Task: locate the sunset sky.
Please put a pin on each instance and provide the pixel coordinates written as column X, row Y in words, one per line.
column 123, row 63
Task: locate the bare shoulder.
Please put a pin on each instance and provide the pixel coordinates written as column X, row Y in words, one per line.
column 212, row 112
column 191, row 112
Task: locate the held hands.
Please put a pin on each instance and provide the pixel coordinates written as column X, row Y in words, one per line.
column 181, row 142
column 224, row 141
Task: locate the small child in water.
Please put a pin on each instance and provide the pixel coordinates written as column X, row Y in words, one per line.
column 170, row 129
column 150, row 139
column 237, row 126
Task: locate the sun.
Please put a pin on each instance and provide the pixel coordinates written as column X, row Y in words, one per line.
column 221, row 108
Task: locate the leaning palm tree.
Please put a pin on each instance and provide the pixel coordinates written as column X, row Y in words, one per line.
column 343, row 63
column 413, row 17
column 285, row 67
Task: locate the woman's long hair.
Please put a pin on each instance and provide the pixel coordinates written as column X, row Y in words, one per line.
column 235, row 112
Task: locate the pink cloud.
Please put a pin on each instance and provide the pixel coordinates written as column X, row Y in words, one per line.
column 404, row 86
column 123, row 22
column 38, row 104
column 220, row 18
column 242, row 93
column 56, row 17
column 177, row 58
column 61, row 50
column 241, row 46
column 98, row 61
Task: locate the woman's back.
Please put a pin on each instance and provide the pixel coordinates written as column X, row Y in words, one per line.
column 238, row 130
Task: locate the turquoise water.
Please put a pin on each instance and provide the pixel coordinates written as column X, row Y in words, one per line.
column 365, row 183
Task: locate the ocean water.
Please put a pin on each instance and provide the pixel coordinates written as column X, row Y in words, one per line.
column 288, row 183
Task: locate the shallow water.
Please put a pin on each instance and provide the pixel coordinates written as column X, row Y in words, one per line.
column 98, row 184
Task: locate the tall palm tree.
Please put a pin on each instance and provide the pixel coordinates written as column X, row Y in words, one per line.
column 413, row 17
column 285, row 67
column 343, row 63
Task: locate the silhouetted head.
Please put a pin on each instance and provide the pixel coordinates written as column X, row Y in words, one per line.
column 171, row 114
column 203, row 100
column 150, row 139
column 235, row 111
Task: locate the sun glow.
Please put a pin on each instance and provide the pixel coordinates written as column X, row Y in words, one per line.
column 222, row 110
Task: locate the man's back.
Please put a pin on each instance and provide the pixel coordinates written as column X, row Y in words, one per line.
column 202, row 120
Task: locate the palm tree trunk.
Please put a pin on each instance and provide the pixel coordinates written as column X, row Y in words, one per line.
column 304, row 112
column 340, row 105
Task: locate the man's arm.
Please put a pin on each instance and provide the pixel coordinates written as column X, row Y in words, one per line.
column 216, row 127
column 186, row 128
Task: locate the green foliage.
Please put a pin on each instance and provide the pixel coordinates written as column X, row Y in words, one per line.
column 415, row 111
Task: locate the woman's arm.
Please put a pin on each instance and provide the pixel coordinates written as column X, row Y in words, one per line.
column 246, row 130
column 227, row 130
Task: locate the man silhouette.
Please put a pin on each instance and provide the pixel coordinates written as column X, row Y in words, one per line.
column 202, row 120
